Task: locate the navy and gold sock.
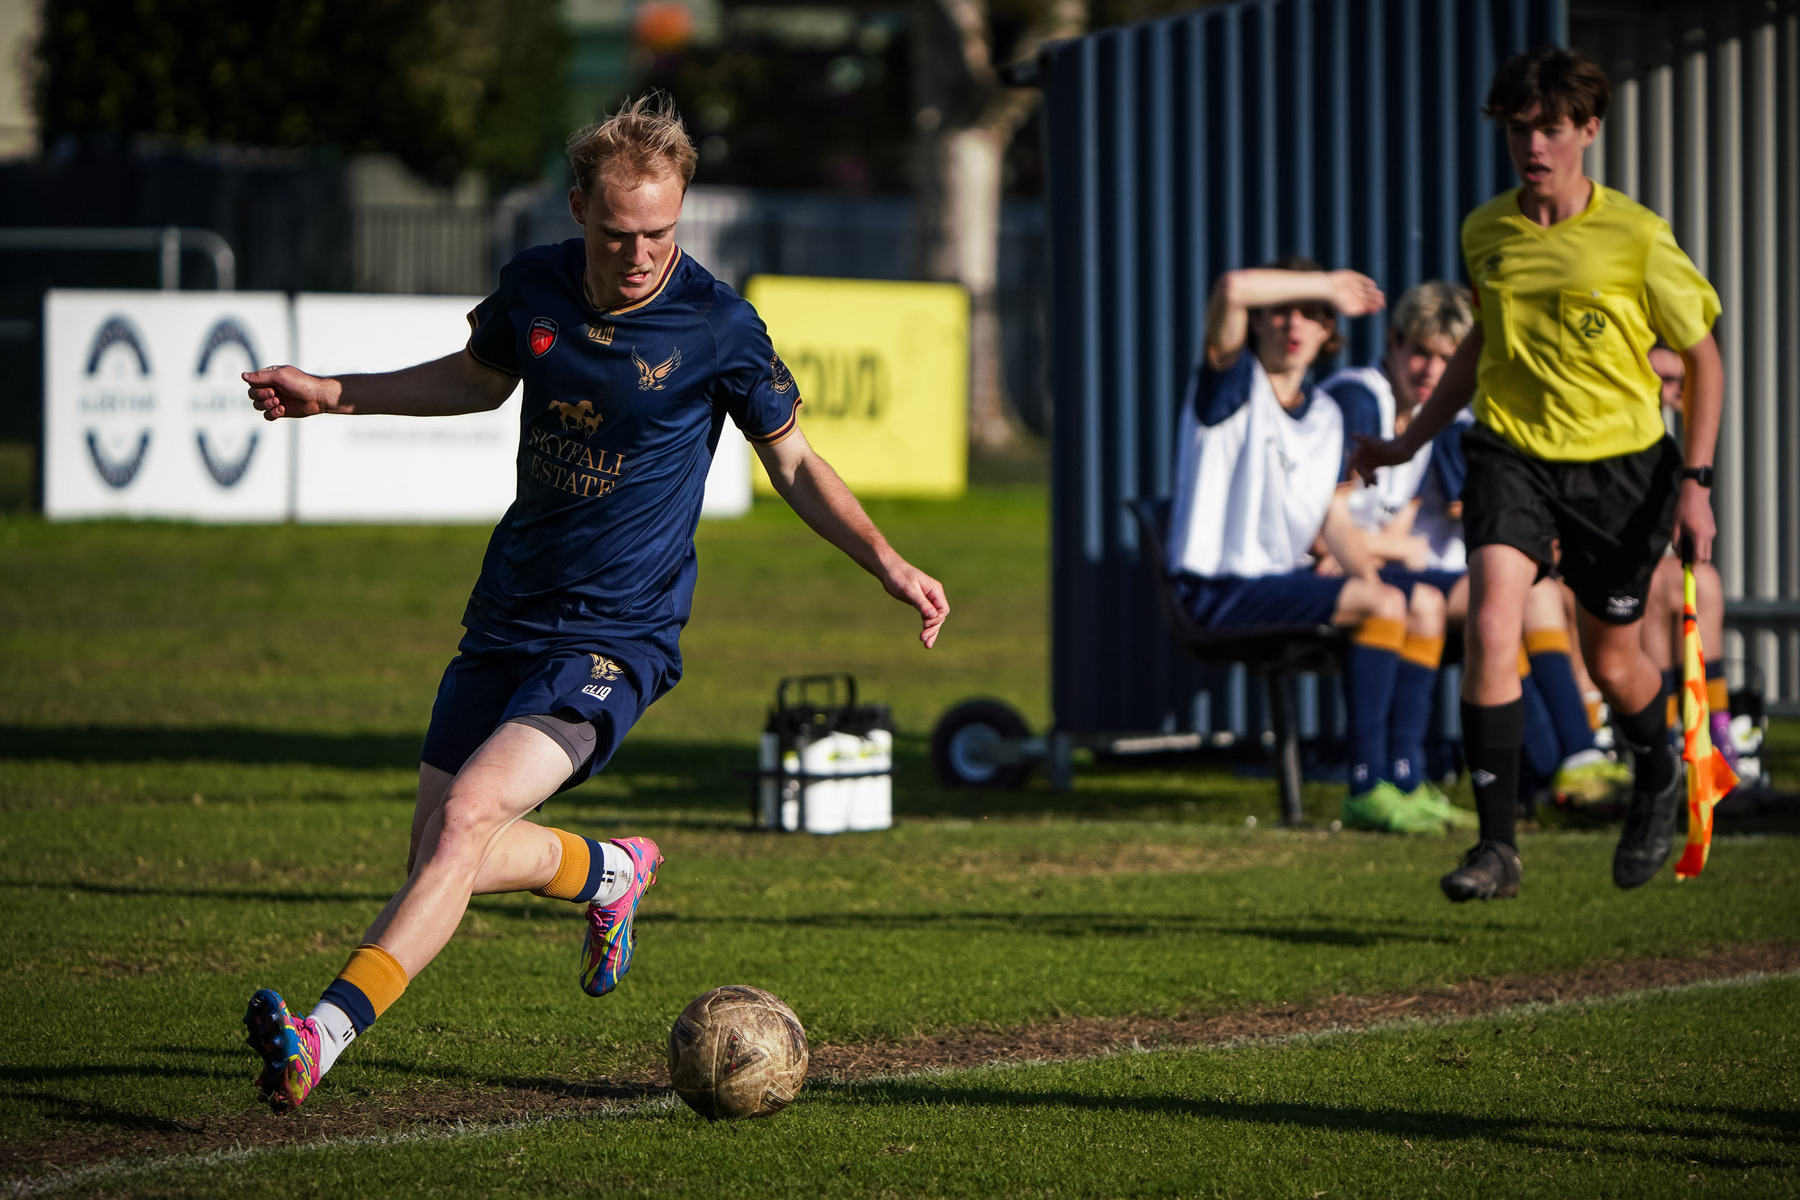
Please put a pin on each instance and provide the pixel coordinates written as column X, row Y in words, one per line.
column 589, row 870
column 1415, row 678
column 1370, row 665
column 1549, row 651
column 371, row 981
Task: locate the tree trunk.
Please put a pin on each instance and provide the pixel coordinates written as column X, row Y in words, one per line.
column 970, row 254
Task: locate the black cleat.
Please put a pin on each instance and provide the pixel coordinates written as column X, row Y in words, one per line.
column 1649, row 834
column 1489, row 871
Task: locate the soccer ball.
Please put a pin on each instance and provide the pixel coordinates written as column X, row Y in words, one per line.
column 737, row 1051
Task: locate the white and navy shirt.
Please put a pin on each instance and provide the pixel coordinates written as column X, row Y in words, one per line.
column 1365, row 396
column 1442, row 486
column 1253, row 480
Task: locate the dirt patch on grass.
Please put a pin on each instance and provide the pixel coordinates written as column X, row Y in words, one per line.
column 91, row 1137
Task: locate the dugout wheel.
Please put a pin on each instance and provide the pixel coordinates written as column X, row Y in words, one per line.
column 980, row 743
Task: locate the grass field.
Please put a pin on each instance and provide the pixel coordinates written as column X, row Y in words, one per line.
column 207, row 741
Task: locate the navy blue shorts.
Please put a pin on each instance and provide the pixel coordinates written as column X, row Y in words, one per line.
column 1403, row 579
column 485, row 686
column 1296, row 598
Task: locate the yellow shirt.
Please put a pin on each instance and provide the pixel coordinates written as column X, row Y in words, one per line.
column 1569, row 313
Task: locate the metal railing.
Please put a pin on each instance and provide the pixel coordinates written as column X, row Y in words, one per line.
column 167, row 243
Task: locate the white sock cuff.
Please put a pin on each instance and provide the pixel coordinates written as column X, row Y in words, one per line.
column 336, row 1030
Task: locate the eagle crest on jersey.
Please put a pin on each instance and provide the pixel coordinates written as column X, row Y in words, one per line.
column 605, row 668
column 650, row 379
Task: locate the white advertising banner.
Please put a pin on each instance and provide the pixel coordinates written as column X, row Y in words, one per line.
column 144, row 413
column 401, row 469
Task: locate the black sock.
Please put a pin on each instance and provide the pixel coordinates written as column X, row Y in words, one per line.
column 1492, row 737
column 1647, row 733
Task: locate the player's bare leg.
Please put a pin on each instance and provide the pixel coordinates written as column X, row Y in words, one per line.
column 1493, row 715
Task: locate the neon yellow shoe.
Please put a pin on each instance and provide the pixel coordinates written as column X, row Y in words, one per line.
column 1585, row 780
column 1428, row 799
column 1384, row 808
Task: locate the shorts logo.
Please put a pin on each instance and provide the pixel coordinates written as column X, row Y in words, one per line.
column 1622, row 606
column 605, row 668
column 1593, row 324
column 1483, row 778
column 780, row 378
column 598, row 693
column 600, row 333
column 542, row 336
column 578, row 415
column 650, row 379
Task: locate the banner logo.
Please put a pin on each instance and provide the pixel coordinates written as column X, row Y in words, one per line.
column 218, row 396
column 542, row 336
column 118, row 402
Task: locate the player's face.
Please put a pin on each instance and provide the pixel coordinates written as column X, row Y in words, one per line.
column 1414, row 368
column 629, row 227
column 1546, row 153
column 1672, row 371
column 1289, row 337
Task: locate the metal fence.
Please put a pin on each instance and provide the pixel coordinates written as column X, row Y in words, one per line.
column 1705, row 129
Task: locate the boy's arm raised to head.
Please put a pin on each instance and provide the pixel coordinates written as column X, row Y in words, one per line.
column 818, row 494
column 455, row 384
column 1237, row 292
column 1451, row 396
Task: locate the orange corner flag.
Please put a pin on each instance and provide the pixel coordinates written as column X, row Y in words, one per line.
column 1709, row 776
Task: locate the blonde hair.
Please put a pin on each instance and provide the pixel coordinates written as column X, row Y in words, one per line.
column 644, row 138
column 1434, row 309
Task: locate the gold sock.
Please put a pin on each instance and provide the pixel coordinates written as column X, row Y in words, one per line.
column 1422, row 650
column 1547, row 641
column 572, row 873
column 377, row 974
column 1379, row 633
column 1718, row 694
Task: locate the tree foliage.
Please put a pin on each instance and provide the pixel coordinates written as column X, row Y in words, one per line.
column 443, row 84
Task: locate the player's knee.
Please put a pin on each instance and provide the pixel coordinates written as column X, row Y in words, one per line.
column 1389, row 603
column 1494, row 635
column 1425, row 609
column 468, row 821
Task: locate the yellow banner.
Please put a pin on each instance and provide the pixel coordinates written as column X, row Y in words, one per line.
column 883, row 370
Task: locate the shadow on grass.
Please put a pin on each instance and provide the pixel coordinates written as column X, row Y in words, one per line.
column 1684, row 1144
column 649, row 775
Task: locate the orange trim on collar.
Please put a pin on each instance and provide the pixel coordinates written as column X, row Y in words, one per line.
column 662, row 283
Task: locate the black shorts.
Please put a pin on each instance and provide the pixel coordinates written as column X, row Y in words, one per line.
column 1612, row 517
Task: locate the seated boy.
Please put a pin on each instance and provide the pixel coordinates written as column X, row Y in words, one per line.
column 1256, row 482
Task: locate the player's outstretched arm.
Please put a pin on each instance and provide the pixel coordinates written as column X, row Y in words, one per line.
column 1237, row 292
column 444, row 387
column 816, row 492
column 1451, row 396
column 1347, row 542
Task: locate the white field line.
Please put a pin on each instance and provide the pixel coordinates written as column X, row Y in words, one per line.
column 112, row 1170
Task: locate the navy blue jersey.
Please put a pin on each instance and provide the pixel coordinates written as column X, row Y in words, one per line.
column 622, row 411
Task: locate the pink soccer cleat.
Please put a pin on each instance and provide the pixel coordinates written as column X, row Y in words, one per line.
column 606, row 954
column 289, row 1046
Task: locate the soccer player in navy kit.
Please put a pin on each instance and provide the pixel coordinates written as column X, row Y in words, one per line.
column 632, row 358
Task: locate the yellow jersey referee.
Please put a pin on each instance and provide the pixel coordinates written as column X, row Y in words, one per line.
column 1569, row 469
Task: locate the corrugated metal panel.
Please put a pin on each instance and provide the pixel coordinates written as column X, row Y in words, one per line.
column 1344, row 129
column 1704, row 130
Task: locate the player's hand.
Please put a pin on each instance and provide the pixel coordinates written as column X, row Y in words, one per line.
column 1372, row 453
column 1329, row 567
column 290, row 392
column 1355, row 295
column 909, row 585
column 1694, row 528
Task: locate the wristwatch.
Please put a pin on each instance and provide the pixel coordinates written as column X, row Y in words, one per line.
column 1700, row 475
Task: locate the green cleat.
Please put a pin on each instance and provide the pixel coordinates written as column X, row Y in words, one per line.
column 1384, row 808
column 1428, row 799
column 1585, row 780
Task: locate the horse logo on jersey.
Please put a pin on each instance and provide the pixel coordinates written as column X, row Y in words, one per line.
column 780, row 378
column 605, row 668
column 542, row 336
column 578, row 415
column 650, row 379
